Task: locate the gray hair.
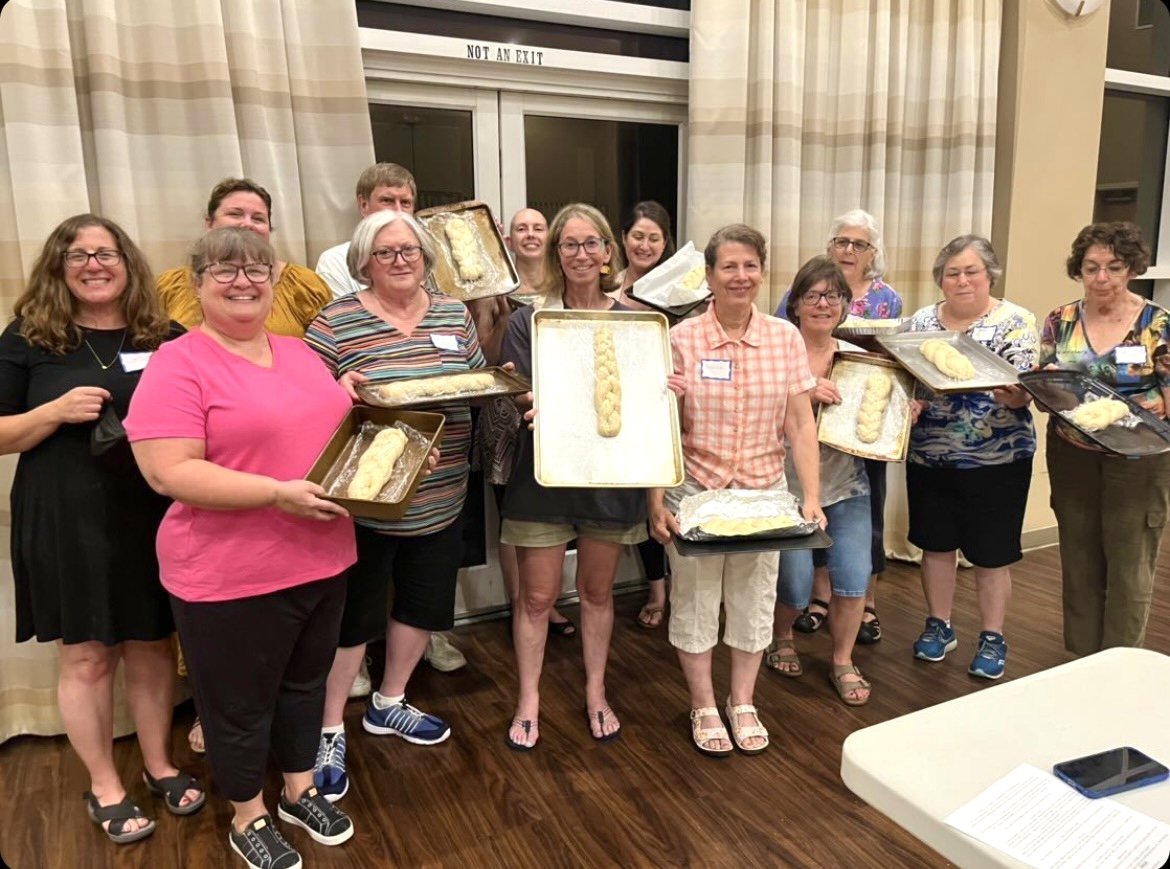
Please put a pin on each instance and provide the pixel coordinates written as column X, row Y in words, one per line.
column 862, row 218
column 362, row 246
column 956, row 246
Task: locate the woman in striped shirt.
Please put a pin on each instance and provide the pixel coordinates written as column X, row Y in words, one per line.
column 395, row 329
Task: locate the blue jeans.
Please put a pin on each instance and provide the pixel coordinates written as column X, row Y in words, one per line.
column 849, row 558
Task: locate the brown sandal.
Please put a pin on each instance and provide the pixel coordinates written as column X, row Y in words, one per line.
column 783, row 652
column 650, row 617
column 844, row 689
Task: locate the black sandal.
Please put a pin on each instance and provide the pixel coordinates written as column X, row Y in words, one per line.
column 172, row 788
column 869, row 632
column 526, row 725
column 118, row 814
column 562, row 629
column 809, row 622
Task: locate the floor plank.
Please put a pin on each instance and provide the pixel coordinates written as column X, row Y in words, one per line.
column 647, row 799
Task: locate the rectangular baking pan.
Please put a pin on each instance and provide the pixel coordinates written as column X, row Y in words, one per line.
column 737, row 545
column 507, row 383
column 837, row 423
column 502, row 277
column 991, row 370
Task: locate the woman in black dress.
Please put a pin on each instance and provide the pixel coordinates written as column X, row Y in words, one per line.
column 83, row 519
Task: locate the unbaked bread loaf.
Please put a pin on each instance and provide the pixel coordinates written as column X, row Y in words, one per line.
column 1096, row 415
column 376, row 464
column 873, row 406
column 741, row 527
column 694, row 278
column 947, row 359
column 464, row 250
column 607, row 391
column 401, row 391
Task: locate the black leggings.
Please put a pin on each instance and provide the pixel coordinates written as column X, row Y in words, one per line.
column 257, row 667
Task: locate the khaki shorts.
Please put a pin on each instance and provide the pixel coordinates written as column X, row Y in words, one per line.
column 745, row 584
column 516, row 532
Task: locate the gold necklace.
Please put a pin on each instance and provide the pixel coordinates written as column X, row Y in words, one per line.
column 106, row 366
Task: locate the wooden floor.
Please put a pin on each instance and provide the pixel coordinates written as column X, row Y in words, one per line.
column 646, row 800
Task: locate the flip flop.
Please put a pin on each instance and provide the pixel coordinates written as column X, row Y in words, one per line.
column 647, row 615
column 601, row 715
column 527, row 725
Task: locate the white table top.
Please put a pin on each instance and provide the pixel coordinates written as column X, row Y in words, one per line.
column 919, row 768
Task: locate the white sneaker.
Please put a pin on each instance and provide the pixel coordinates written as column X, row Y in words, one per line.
column 361, row 685
column 442, row 655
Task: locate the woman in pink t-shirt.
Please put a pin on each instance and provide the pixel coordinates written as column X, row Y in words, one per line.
column 226, row 421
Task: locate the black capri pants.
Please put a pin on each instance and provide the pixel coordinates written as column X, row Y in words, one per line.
column 423, row 569
column 257, row 667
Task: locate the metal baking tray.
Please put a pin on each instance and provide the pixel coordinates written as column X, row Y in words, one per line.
column 507, row 383
column 736, row 545
column 663, row 277
column 336, row 462
column 991, row 370
column 673, row 312
column 864, row 333
column 1057, row 391
column 568, row 451
column 837, row 423
column 500, row 275
column 695, row 510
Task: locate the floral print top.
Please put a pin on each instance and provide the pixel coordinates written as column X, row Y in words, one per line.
column 970, row 429
column 881, row 302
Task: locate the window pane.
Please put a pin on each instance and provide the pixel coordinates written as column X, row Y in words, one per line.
column 1139, row 36
column 609, row 164
column 434, row 144
column 1132, row 161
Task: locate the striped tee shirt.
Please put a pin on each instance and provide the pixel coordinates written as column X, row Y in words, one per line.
column 349, row 338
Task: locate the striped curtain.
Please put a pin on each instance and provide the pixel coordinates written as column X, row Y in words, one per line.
column 134, row 110
column 803, row 109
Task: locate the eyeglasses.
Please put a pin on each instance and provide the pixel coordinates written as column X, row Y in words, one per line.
column 591, row 245
column 1091, row 270
column 843, row 244
column 955, row 274
column 831, row 297
column 79, row 259
column 226, row 273
column 387, row 255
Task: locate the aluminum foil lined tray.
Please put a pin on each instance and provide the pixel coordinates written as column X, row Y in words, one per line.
column 991, row 370
column 696, row 512
column 857, row 327
column 837, row 423
column 662, row 288
column 568, row 450
column 390, row 394
column 338, row 478
column 1059, row 392
column 499, row 274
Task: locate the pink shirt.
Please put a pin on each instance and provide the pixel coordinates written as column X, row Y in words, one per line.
column 271, row 421
column 736, row 398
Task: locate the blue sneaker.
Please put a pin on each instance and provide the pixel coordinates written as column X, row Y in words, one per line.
column 329, row 769
column 991, row 658
column 934, row 642
column 404, row 720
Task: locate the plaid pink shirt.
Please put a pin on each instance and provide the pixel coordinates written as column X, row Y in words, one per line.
column 737, row 394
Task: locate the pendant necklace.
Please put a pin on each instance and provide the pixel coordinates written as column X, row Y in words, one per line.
column 106, row 366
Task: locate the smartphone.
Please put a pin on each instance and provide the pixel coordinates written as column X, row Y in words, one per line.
column 1111, row 772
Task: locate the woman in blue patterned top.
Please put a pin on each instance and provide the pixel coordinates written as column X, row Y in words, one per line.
column 970, row 461
column 1111, row 510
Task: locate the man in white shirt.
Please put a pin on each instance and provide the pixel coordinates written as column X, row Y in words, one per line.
column 382, row 187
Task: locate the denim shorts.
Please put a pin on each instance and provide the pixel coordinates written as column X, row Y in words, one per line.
column 849, row 558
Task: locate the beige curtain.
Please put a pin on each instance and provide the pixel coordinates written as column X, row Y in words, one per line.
column 134, row 110
column 803, row 109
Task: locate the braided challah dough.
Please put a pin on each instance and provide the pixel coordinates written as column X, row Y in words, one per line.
column 435, row 387
column 873, row 407
column 377, row 464
column 1096, row 415
column 463, row 249
column 947, row 359
column 607, row 393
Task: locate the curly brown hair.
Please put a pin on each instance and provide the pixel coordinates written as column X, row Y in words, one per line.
column 49, row 309
column 1120, row 236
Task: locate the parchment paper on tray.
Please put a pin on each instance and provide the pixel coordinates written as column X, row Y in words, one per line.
column 837, row 424
column 339, row 476
column 712, row 510
column 991, row 370
column 568, row 450
column 678, row 282
column 422, row 391
column 486, row 251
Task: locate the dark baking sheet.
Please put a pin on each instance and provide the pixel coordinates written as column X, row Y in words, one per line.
column 677, row 312
column 736, row 545
column 507, row 383
column 1055, row 391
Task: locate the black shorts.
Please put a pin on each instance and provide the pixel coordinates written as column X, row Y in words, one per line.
column 977, row 510
column 423, row 570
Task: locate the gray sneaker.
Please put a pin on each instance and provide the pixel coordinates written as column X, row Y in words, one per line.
column 262, row 846
column 317, row 816
column 442, row 655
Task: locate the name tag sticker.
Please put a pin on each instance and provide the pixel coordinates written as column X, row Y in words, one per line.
column 983, row 333
column 132, row 362
column 1130, row 354
column 715, row 369
column 446, row 342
